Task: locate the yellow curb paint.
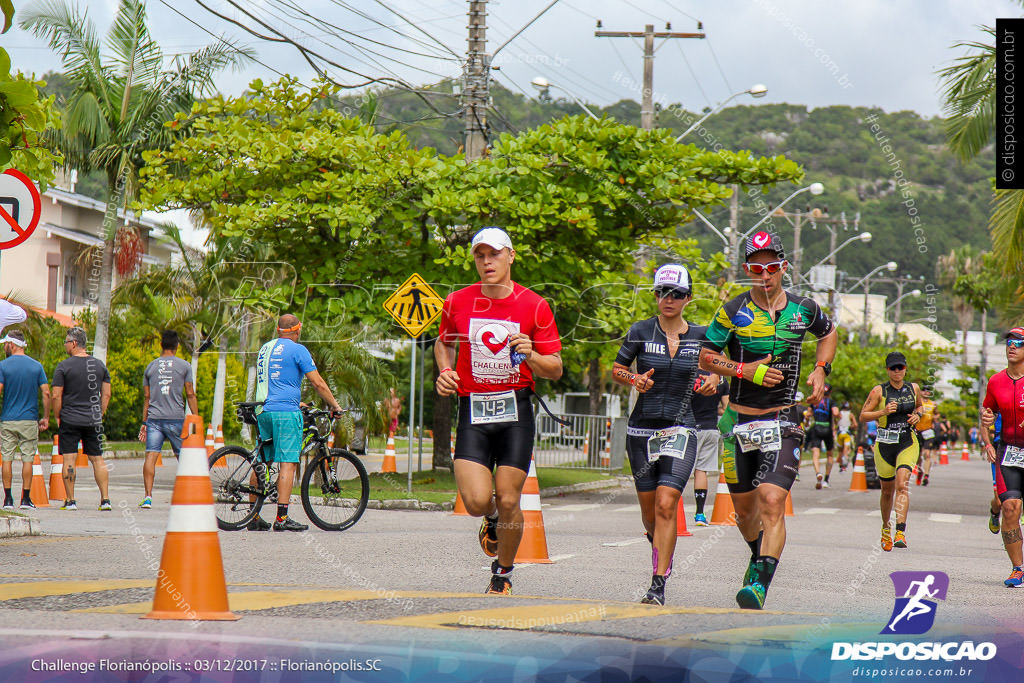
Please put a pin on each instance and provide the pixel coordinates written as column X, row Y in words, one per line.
column 42, row 589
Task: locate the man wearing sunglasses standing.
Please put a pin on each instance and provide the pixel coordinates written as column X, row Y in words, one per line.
column 1004, row 396
column 763, row 330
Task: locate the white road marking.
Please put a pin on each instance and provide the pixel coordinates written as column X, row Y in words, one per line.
column 820, row 511
column 944, row 517
column 628, row 508
column 622, row 543
column 575, row 508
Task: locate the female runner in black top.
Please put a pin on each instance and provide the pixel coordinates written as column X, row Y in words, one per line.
column 661, row 439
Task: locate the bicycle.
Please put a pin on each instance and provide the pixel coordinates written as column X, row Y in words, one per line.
column 334, row 485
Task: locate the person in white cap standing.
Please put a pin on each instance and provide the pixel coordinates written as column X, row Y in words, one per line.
column 20, row 378
column 506, row 337
column 661, row 437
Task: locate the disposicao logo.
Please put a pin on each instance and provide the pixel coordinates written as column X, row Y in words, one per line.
column 916, row 594
column 913, row 613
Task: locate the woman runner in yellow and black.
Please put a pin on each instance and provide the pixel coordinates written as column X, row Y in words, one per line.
column 897, row 406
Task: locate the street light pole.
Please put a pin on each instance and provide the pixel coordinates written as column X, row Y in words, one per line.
column 544, row 85
column 891, row 266
column 758, row 90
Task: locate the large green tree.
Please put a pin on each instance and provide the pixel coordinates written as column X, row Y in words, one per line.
column 355, row 212
column 124, row 90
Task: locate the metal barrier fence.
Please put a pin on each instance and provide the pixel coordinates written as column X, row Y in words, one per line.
column 589, row 442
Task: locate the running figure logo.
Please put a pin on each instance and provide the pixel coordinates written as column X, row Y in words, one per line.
column 916, row 592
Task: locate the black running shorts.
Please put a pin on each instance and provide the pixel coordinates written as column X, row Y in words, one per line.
column 500, row 443
column 90, row 435
column 744, row 472
column 1009, row 480
column 666, row 470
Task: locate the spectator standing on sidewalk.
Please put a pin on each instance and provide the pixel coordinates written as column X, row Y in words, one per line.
column 164, row 382
column 81, row 392
column 20, row 378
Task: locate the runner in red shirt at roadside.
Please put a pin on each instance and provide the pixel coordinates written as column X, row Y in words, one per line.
column 1005, row 396
column 506, row 336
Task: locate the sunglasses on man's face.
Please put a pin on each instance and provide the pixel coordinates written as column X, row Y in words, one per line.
column 758, row 268
column 1015, row 343
column 897, row 368
column 670, row 294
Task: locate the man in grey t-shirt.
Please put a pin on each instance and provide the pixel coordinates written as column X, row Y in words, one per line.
column 163, row 409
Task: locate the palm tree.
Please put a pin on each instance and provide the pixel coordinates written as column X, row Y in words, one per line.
column 969, row 105
column 949, row 268
column 122, row 97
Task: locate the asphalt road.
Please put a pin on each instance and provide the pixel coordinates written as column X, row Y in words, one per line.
column 406, row 587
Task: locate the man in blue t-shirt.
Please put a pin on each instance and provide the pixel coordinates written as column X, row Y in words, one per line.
column 20, row 378
column 280, row 367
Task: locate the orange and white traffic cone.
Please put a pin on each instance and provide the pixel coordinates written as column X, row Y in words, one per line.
column 586, row 445
column 533, row 548
column 219, row 441
column 681, row 529
column 57, row 490
column 190, row 584
column 83, row 459
column 943, row 454
column 37, row 493
column 209, row 441
column 389, row 464
column 723, row 513
column 789, row 505
column 859, row 480
column 460, row 506
column 965, row 454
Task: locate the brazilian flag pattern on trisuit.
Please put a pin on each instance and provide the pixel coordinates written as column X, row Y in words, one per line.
column 749, row 333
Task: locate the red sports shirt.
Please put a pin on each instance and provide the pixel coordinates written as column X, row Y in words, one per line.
column 481, row 326
column 1005, row 396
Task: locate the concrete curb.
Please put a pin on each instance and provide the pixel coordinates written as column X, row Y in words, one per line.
column 612, row 482
column 19, row 526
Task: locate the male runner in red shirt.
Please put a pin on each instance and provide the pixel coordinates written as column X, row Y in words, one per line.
column 506, row 336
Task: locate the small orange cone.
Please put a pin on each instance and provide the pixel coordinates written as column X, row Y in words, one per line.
column 38, row 487
column 533, row 549
column 57, row 490
column 943, row 454
column 159, row 459
column 723, row 514
column 209, row 441
column 913, row 473
column 389, row 464
column 190, row 583
column 586, row 445
column 859, row 480
column 460, row 507
column 965, row 454
column 789, row 505
column 219, row 441
column 83, row 459
column 681, row 529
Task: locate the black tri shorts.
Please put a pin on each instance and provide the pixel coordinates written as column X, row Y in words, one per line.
column 666, row 470
column 820, row 437
column 1009, row 480
column 497, row 444
column 744, row 472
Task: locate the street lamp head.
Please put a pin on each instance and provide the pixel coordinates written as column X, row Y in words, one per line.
column 891, row 266
column 817, row 188
column 758, row 90
column 540, row 83
column 915, row 292
column 865, row 237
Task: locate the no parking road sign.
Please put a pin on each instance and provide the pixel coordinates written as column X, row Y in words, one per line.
column 20, row 208
column 414, row 305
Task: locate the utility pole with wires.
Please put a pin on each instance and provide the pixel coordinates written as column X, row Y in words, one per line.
column 648, row 34
column 476, row 82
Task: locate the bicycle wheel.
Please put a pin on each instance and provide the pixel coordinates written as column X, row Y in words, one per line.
column 237, row 494
column 335, row 488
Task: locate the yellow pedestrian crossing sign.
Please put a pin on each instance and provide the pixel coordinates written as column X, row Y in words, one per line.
column 414, row 305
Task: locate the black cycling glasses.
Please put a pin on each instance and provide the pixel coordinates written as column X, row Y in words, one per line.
column 1015, row 343
column 663, row 293
column 897, row 368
